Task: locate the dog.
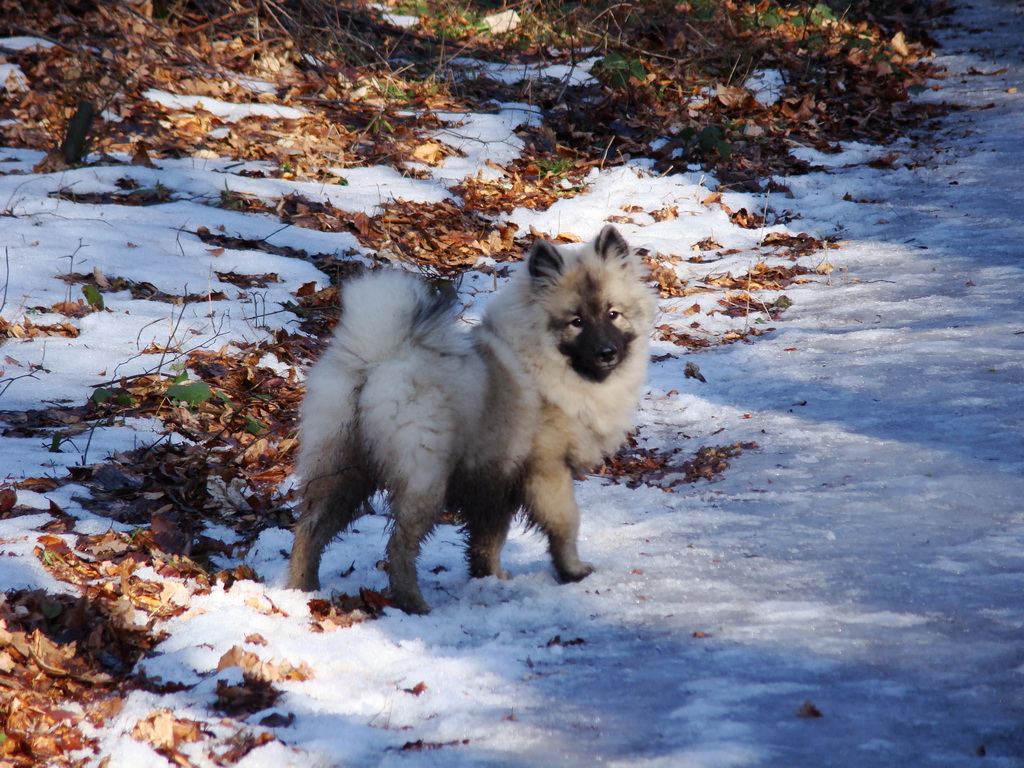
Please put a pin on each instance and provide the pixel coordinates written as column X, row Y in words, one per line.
column 483, row 424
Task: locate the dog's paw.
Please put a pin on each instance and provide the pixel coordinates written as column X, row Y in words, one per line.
column 305, row 581
column 482, row 573
column 411, row 604
column 578, row 572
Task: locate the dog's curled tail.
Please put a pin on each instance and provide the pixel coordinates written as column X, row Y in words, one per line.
column 385, row 317
column 383, row 312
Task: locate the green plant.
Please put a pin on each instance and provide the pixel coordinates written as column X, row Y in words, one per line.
column 704, row 10
column 93, row 296
column 229, row 199
column 709, row 139
column 102, row 395
column 556, row 167
column 253, row 425
column 393, row 92
column 190, row 393
column 379, row 124
column 771, row 18
column 618, row 70
column 821, row 14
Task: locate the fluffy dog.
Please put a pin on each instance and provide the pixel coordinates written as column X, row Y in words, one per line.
column 485, row 423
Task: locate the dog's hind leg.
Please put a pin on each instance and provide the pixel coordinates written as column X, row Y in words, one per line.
column 487, row 532
column 488, row 515
column 331, row 501
column 415, row 515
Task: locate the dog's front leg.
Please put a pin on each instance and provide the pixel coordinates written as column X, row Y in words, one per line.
column 551, row 506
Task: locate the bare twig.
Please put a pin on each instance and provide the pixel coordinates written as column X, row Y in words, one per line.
column 7, row 277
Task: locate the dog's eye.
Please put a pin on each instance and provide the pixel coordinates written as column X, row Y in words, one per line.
column 576, row 322
column 614, row 314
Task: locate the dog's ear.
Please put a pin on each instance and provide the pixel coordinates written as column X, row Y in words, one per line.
column 610, row 244
column 544, row 262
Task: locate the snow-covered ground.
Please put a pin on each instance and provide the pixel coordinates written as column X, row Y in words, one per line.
column 868, row 557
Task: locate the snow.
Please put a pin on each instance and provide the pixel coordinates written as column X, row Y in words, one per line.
column 12, row 78
column 766, row 86
column 575, row 73
column 850, row 153
column 482, row 139
column 399, row 20
column 225, row 110
column 868, row 557
column 25, row 43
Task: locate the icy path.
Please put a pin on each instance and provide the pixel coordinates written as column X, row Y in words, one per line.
column 886, row 515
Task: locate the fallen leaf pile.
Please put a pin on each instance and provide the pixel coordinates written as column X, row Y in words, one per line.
column 26, row 329
column 842, row 77
column 440, row 237
column 420, row 745
column 345, row 610
column 666, row 74
column 348, row 121
column 103, row 567
column 256, row 692
column 63, row 662
column 239, row 416
column 166, row 733
column 636, row 465
column 137, row 289
column 68, row 662
column 536, row 184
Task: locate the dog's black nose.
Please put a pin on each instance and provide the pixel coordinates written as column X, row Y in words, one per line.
column 607, row 353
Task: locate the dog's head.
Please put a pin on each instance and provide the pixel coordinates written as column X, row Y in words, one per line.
column 594, row 299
